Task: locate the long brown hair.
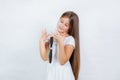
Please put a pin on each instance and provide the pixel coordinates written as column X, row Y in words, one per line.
column 74, row 31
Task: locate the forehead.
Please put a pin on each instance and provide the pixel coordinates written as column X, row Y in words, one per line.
column 65, row 19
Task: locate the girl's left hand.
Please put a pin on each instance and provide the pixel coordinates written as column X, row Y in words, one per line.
column 58, row 37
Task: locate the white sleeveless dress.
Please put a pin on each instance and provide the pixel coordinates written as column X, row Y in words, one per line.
column 56, row 71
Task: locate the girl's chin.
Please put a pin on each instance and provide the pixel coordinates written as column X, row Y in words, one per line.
column 60, row 31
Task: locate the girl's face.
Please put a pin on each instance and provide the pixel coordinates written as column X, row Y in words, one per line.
column 63, row 25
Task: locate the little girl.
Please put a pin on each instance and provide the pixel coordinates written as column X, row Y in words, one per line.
column 65, row 62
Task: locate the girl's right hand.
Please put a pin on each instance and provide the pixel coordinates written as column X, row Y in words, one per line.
column 44, row 35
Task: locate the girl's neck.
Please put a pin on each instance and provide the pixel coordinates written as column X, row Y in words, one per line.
column 64, row 34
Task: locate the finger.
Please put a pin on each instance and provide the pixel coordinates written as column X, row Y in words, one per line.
column 54, row 35
column 43, row 30
column 51, row 34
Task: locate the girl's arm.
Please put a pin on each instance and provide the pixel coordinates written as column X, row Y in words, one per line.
column 44, row 49
column 44, row 46
column 65, row 52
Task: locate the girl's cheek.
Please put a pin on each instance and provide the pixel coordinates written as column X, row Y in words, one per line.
column 59, row 24
column 66, row 28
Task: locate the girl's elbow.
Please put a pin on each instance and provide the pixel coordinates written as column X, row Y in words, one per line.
column 62, row 62
column 44, row 58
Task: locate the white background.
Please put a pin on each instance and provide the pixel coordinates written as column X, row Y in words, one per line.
column 21, row 22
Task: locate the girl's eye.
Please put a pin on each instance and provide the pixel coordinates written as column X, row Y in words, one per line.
column 66, row 25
